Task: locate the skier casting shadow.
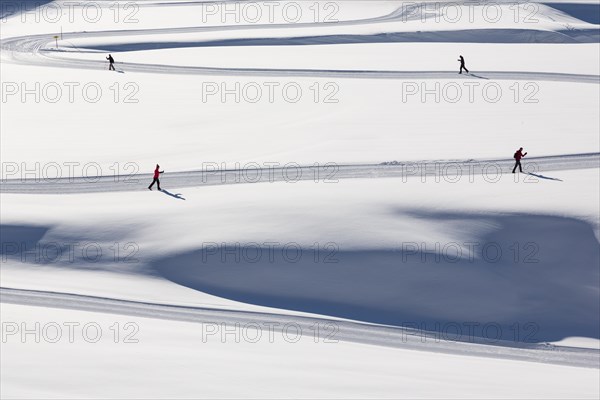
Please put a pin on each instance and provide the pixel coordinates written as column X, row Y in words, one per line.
column 178, row 196
column 156, row 176
column 518, row 155
column 462, row 65
column 111, row 63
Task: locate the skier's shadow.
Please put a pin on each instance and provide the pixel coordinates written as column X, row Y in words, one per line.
column 478, row 76
column 176, row 196
column 545, row 177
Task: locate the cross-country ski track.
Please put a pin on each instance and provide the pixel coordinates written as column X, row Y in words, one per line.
column 38, row 50
column 344, row 330
column 213, row 174
column 33, row 50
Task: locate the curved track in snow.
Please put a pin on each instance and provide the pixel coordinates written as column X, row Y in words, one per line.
column 211, row 174
column 341, row 330
column 37, row 50
column 31, row 50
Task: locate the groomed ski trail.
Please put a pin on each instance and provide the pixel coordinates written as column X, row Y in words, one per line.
column 37, row 50
column 30, row 50
column 347, row 331
column 213, row 174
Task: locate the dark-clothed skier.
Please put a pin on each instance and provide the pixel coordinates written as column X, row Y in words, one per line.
column 156, row 176
column 462, row 65
column 111, row 62
column 518, row 155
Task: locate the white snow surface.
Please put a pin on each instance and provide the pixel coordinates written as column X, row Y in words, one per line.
column 397, row 259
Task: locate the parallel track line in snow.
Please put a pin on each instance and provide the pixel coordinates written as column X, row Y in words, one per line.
column 30, row 50
column 36, row 50
column 212, row 175
column 346, row 331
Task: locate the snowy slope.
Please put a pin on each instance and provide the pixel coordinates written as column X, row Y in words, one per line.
column 165, row 364
column 331, row 174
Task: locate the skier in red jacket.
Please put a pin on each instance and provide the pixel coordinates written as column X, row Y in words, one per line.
column 156, row 176
column 518, row 155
